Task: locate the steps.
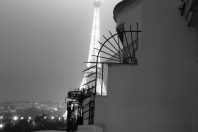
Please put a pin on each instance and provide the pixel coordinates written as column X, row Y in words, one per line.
column 89, row 128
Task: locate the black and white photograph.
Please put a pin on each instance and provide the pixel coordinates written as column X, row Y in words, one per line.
column 98, row 65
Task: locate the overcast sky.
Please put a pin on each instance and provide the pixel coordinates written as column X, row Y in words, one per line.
column 43, row 44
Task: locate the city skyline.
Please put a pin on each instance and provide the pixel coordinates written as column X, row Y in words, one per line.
column 43, row 45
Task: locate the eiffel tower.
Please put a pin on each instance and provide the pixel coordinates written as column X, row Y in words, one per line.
column 95, row 38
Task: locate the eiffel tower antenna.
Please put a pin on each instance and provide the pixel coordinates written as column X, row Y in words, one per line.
column 95, row 34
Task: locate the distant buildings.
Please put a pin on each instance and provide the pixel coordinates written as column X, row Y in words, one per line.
column 31, row 109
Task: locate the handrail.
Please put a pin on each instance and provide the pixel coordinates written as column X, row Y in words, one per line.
column 89, row 103
column 89, row 68
column 90, row 110
column 89, row 82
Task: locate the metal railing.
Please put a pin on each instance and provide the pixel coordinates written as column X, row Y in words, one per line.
column 88, row 112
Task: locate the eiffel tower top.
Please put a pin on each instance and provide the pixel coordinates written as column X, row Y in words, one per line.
column 97, row 3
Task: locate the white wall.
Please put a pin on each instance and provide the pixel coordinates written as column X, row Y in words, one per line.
column 117, row 110
column 169, row 53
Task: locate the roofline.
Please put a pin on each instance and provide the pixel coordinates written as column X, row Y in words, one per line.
column 120, row 6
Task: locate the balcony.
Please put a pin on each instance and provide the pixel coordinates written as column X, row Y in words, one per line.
column 80, row 94
column 74, row 95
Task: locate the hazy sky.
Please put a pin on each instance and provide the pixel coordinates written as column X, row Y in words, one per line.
column 43, row 44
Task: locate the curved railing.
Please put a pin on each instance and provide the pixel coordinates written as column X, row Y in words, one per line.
column 122, row 51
